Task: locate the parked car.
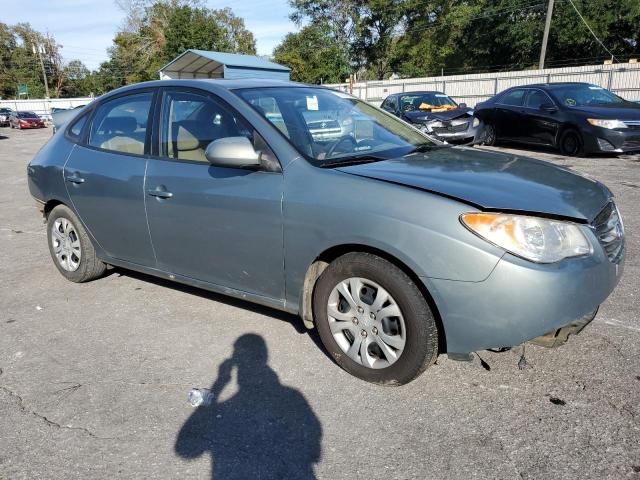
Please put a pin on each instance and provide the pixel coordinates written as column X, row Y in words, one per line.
column 395, row 247
column 437, row 114
column 25, row 120
column 5, row 113
column 573, row 117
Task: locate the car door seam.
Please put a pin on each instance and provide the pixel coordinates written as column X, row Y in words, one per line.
column 146, row 211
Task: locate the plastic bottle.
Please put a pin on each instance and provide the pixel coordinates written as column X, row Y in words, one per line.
column 199, row 397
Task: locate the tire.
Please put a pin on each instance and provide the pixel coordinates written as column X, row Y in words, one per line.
column 570, row 143
column 76, row 258
column 415, row 353
column 489, row 134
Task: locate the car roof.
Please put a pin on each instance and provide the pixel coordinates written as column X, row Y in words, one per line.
column 551, row 85
column 228, row 84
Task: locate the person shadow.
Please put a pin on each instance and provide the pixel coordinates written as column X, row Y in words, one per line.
column 266, row 430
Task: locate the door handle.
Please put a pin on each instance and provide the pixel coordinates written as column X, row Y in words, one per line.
column 159, row 193
column 75, row 178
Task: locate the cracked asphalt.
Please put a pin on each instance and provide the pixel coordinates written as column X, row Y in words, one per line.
column 94, row 377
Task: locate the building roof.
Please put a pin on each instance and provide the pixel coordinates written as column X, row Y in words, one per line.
column 203, row 61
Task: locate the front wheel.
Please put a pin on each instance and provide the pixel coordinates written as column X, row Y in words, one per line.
column 489, row 134
column 374, row 320
column 570, row 143
column 70, row 247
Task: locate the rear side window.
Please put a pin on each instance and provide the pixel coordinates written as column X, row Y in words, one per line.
column 514, row 97
column 120, row 125
column 75, row 131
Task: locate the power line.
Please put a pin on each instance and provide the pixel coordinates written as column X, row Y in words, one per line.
column 592, row 32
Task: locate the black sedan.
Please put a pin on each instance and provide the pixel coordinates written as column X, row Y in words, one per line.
column 574, row 117
column 436, row 114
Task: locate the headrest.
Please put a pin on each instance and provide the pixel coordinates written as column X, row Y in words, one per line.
column 123, row 125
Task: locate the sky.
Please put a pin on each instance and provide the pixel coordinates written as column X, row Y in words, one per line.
column 86, row 28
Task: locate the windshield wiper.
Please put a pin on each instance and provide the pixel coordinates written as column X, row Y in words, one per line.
column 355, row 160
column 425, row 147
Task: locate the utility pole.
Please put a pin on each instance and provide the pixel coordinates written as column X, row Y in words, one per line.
column 545, row 37
column 36, row 48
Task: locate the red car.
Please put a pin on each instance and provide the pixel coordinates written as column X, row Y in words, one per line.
column 25, row 120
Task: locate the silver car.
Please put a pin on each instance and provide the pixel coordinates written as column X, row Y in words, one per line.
column 395, row 248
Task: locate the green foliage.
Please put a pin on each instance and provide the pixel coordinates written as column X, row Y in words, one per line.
column 313, row 56
column 424, row 37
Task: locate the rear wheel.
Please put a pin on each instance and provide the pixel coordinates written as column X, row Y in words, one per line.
column 374, row 320
column 70, row 247
column 570, row 143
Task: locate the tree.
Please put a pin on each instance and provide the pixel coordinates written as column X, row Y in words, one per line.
column 313, row 56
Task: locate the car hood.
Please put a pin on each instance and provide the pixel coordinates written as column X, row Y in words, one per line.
column 493, row 181
column 425, row 115
column 625, row 111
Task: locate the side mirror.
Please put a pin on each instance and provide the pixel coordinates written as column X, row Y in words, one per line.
column 234, row 152
column 462, row 105
column 548, row 107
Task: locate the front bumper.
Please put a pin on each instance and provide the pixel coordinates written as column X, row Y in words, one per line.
column 606, row 140
column 522, row 300
column 471, row 134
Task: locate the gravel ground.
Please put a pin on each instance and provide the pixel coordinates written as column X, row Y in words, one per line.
column 93, row 378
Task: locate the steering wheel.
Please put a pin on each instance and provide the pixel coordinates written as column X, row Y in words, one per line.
column 409, row 107
column 341, row 140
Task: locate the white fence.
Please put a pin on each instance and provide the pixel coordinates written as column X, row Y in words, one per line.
column 43, row 106
column 623, row 79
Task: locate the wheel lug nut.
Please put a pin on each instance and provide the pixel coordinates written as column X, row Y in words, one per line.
column 355, row 320
column 372, row 316
column 363, row 333
column 360, row 310
column 374, row 330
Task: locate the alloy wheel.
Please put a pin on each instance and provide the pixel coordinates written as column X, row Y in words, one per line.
column 366, row 322
column 66, row 244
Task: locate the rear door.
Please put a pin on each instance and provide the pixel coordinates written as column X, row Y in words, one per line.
column 214, row 224
column 509, row 116
column 541, row 126
column 104, row 176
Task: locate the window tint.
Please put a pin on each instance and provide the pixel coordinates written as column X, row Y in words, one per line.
column 514, row 97
column 537, row 98
column 191, row 122
column 76, row 129
column 120, row 125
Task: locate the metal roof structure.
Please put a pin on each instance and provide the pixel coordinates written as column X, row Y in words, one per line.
column 206, row 64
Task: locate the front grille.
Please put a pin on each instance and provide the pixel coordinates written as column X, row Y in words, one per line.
column 632, row 124
column 630, row 145
column 461, row 127
column 610, row 231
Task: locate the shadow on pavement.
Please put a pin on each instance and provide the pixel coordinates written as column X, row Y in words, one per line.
column 266, row 430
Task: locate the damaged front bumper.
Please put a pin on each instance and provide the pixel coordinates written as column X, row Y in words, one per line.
column 560, row 336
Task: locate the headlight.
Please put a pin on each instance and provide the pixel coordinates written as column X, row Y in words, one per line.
column 606, row 123
column 536, row 239
column 476, row 122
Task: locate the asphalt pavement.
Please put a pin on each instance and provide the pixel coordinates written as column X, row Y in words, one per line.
column 94, row 378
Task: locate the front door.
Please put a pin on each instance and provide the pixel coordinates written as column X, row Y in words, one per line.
column 105, row 177
column 214, row 224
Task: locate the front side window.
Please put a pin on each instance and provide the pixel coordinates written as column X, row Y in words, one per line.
column 514, row 97
column 537, row 98
column 120, row 125
column 192, row 121
column 329, row 127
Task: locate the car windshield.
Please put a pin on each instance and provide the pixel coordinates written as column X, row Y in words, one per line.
column 331, row 127
column 433, row 101
column 585, row 95
column 27, row 115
